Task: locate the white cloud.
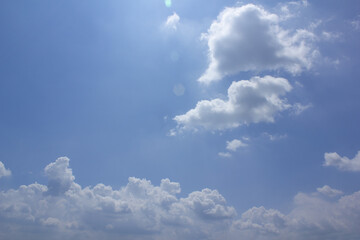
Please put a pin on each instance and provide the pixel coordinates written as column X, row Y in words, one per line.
column 298, row 108
column 246, row 138
column 259, row 219
column 249, row 38
column 327, row 217
column 224, row 154
column 60, row 176
column 328, row 191
column 209, row 204
column 291, row 9
column 172, row 133
column 355, row 23
column 141, row 210
column 312, row 217
column 172, row 21
column 3, row 171
column 234, row 145
column 249, row 101
column 329, row 36
column 342, row 163
column 275, row 137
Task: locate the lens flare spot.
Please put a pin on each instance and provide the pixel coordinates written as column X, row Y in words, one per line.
column 179, row 90
column 168, row 3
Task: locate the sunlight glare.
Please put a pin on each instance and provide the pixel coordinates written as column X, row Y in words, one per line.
column 168, row 3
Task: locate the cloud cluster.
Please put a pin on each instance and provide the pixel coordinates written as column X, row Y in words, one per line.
column 313, row 217
column 248, row 38
column 3, row 171
column 249, row 101
column 141, row 210
column 342, row 163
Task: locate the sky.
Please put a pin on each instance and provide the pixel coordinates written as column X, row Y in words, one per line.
column 179, row 119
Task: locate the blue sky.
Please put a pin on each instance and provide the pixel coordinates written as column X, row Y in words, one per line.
column 251, row 108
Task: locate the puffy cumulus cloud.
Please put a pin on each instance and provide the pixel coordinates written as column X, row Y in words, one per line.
column 262, row 221
column 328, row 191
column 170, row 187
column 139, row 210
column 172, row 21
column 312, row 217
column 209, row 204
column 248, row 38
column 234, row 145
column 330, row 219
column 3, row 171
column 342, row 163
column 249, row 101
column 60, row 176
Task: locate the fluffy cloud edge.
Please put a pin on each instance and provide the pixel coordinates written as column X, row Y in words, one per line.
column 235, row 144
column 328, row 191
column 3, row 171
column 342, row 163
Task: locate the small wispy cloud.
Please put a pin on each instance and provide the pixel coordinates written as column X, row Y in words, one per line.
column 172, row 21
column 275, row 137
column 298, row 108
column 355, row 23
column 328, row 191
column 224, row 154
column 235, row 144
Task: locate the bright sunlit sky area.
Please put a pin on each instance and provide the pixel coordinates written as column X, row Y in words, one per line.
column 178, row 119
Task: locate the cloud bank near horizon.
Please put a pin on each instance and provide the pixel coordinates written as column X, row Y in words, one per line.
column 63, row 209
